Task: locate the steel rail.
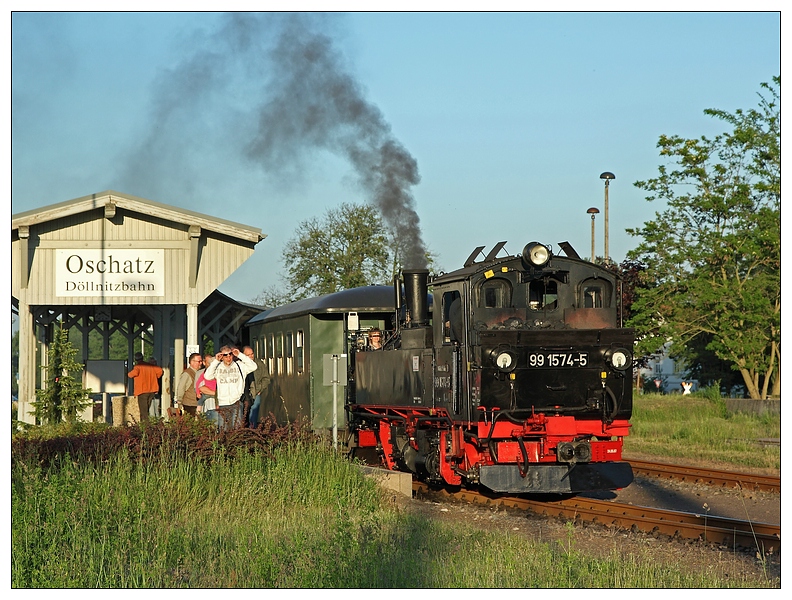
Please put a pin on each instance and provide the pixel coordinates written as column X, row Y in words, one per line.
column 734, row 533
column 711, row 477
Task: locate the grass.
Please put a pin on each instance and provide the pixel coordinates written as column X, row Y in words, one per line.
column 169, row 507
column 299, row 517
column 699, row 428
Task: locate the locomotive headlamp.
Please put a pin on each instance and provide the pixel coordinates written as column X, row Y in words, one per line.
column 619, row 358
column 505, row 360
column 536, row 254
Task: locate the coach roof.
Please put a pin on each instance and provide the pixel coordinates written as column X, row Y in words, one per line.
column 372, row 298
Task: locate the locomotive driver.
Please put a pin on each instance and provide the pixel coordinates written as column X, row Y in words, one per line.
column 229, row 370
column 375, row 339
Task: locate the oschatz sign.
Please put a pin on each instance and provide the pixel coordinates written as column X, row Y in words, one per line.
column 110, row 272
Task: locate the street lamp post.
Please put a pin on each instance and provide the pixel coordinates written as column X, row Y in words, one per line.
column 593, row 212
column 607, row 176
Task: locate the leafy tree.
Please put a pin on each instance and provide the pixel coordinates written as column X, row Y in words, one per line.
column 714, row 254
column 346, row 249
column 633, row 276
column 349, row 247
column 707, row 368
column 64, row 396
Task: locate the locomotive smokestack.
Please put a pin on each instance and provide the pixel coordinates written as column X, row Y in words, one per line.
column 416, row 287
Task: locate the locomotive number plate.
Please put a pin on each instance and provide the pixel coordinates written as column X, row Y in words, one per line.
column 555, row 360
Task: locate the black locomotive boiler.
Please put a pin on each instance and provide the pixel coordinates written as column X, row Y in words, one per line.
column 512, row 373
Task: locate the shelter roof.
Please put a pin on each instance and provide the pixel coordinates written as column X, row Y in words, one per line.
column 139, row 205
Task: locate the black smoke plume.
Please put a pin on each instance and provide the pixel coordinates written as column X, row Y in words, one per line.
column 307, row 101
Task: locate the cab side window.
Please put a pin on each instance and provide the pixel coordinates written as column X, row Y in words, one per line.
column 495, row 293
column 595, row 293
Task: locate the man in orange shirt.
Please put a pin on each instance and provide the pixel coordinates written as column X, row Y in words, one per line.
column 145, row 376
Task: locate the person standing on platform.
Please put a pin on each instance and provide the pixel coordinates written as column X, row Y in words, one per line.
column 257, row 382
column 230, row 369
column 205, row 390
column 146, row 386
column 185, row 388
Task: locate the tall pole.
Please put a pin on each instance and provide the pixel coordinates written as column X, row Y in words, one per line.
column 607, row 249
column 593, row 211
column 335, row 401
column 607, row 176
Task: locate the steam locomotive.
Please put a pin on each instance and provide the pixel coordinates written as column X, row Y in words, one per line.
column 512, row 373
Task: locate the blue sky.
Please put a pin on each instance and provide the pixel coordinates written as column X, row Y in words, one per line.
column 510, row 117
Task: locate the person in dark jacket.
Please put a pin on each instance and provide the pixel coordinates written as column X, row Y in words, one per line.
column 257, row 383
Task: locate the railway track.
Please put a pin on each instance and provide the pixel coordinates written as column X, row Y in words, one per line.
column 711, row 477
column 733, row 533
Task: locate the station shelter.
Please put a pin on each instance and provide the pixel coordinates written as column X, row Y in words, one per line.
column 115, row 266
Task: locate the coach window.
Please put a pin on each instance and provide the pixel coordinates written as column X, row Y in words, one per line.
column 300, row 343
column 495, row 293
column 271, row 352
column 289, row 352
column 543, row 295
column 279, row 351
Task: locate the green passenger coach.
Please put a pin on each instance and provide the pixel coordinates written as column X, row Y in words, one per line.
column 298, row 340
